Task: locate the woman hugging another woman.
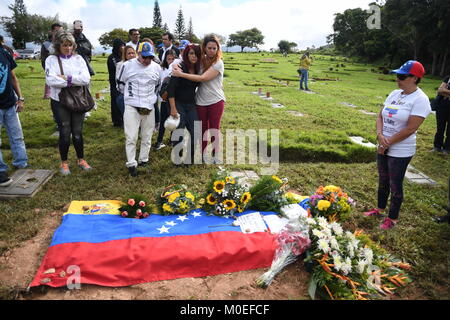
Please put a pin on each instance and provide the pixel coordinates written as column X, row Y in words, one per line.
column 210, row 97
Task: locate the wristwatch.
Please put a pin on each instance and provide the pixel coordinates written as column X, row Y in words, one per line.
column 22, row 99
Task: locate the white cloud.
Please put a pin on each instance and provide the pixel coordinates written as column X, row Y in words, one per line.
column 304, row 22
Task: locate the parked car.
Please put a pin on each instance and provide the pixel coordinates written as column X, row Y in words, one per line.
column 30, row 54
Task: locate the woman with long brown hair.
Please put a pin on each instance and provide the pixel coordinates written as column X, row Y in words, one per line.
column 210, row 97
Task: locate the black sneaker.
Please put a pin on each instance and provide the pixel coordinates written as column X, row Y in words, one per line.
column 5, row 181
column 133, row 171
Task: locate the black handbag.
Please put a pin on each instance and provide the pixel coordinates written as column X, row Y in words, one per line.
column 77, row 98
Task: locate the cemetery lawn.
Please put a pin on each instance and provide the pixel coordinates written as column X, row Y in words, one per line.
column 314, row 150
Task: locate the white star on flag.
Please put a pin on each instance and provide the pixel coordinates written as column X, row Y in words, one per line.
column 171, row 223
column 196, row 214
column 163, row 229
column 182, row 218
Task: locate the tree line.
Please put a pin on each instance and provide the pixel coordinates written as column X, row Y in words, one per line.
column 410, row 29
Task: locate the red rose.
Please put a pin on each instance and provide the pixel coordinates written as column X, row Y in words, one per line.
column 124, row 214
column 146, row 214
column 131, row 202
column 139, row 212
column 142, row 203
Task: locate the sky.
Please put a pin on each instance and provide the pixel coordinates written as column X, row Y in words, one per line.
column 305, row 22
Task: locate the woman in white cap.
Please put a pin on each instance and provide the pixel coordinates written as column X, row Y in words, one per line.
column 404, row 111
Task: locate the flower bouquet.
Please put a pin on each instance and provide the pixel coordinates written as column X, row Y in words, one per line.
column 330, row 202
column 347, row 265
column 225, row 195
column 135, row 206
column 292, row 241
column 175, row 199
column 268, row 194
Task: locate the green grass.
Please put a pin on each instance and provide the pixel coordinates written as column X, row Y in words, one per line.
column 314, row 151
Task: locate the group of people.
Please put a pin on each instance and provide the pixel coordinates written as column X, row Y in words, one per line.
column 192, row 78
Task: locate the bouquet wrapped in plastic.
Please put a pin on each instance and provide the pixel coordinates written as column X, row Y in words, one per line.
column 292, row 241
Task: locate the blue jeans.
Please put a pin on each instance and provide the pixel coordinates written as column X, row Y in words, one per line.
column 304, row 78
column 10, row 120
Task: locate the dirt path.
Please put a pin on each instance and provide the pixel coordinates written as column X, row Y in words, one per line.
column 19, row 265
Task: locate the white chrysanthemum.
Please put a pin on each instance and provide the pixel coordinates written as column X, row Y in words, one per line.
column 323, row 245
column 350, row 236
column 334, row 253
column 327, row 232
column 337, row 261
column 311, row 221
column 334, row 244
column 355, row 244
column 350, row 250
column 319, row 234
column 322, row 222
column 337, row 228
column 368, row 255
column 361, row 266
column 347, row 266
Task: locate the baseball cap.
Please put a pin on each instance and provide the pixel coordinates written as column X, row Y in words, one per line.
column 183, row 44
column 146, row 49
column 411, row 67
column 77, row 24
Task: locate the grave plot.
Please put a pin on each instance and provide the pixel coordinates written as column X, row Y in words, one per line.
column 295, row 113
column 26, row 183
column 362, row 142
column 415, row 176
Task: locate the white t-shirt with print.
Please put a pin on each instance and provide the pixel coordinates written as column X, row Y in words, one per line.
column 396, row 112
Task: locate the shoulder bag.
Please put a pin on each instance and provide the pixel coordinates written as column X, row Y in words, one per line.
column 77, row 98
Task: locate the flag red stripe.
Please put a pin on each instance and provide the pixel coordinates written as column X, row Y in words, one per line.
column 139, row 260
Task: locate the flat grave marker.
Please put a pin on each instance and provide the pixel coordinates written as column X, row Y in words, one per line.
column 26, row 183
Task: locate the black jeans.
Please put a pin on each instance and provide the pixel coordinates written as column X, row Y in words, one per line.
column 71, row 124
column 442, row 122
column 391, row 172
column 116, row 112
column 188, row 116
column 164, row 114
column 54, row 105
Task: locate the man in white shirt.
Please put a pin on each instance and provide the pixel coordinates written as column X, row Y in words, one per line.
column 134, row 38
column 167, row 39
column 141, row 78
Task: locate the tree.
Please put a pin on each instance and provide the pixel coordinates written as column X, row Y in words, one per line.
column 17, row 25
column 106, row 40
column 246, row 39
column 24, row 27
column 157, row 19
column 286, row 47
column 166, row 28
column 180, row 29
column 154, row 33
column 190, row 35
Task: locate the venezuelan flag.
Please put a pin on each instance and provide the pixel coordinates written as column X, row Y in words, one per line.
column 109, row 250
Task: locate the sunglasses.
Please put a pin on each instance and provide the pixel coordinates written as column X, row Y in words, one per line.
column 402, row 77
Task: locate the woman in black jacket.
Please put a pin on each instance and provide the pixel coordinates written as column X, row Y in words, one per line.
column 182, row 97
column 113, row 59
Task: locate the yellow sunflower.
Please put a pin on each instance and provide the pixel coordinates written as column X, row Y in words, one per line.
column 230, row 180
column 190, row 196
column 229, row 204
column 167, row 207
column 211, row 200
column 173, row 197
column 240, row 209
column 277, row 179
column 219, row 186
column 246, row 197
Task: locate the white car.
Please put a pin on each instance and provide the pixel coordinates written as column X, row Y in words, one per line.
column 29, row 54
